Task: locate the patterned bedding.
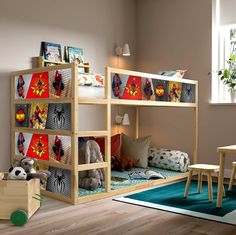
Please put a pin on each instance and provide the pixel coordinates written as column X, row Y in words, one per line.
column 168, row 159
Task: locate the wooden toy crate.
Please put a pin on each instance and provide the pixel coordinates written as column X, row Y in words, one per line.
column 19, row 195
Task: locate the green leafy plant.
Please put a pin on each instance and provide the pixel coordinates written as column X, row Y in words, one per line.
column 228, row 75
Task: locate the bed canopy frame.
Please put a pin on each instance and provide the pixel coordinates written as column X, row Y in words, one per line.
column 74, row 100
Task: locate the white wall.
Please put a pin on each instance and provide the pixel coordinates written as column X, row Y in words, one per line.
column 172, row 35
column 96, row 26
column 227, row 11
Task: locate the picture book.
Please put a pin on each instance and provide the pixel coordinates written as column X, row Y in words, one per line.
column 51, row 51
column 146, row 175
column 188, row 93
column 160, row 89
column 75, row 54
column 22, row 115
column 38, row 116
column 174, row 91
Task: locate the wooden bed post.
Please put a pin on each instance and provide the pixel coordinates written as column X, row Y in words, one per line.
column 195, row 156
column 137, row 123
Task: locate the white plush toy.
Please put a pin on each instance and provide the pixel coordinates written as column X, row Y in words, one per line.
column 16, row 173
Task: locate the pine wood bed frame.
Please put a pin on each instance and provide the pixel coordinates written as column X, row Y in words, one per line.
column 75, row 101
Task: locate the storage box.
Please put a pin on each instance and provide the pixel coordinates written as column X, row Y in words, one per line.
column 18, row 195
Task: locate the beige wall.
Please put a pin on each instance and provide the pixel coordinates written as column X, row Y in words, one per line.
column 96, row 26
column 172, row 35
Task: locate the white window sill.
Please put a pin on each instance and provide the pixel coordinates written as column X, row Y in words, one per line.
column 221, row 103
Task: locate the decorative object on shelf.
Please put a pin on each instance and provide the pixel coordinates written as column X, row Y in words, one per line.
column 20, row 143
column 59, row 181
column 160, row 89
column 174, row 91
column 122, row 120
column 188, row 93
column 147, row 89
column 58, row 83
column 116, row 85
column 16, row 173
column 20, row 86
column 124, row 51
column 51, row 51
column 22, row 115
column 58, row 149
column 38, row 116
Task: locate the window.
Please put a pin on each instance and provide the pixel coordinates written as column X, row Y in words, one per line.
column 223, row 62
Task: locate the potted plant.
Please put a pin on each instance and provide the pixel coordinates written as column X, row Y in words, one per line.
column 228, row 75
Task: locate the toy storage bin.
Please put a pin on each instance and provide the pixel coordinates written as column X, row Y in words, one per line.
column 18, row 196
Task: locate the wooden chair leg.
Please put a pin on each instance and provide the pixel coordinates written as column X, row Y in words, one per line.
column 232, row 178
column 209, row 179
column 188, row 183
column 199, row 186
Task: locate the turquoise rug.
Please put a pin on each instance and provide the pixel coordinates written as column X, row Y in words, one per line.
column 170, row 198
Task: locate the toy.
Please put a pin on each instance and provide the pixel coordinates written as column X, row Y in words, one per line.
column 20, row 86
column 58, row 83
column 16, row 173
column 90, row 153
column 27, row 164
column 122, row 164
column 57, row 148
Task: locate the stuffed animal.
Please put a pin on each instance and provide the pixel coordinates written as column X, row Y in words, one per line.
column 90, row 153
column 1, row 175
column 17, row 173
column 28, row 165
column 122, row 164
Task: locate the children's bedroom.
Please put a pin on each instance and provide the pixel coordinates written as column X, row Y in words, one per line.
column 118, row 117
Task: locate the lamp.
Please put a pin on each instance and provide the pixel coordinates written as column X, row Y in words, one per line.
column 122, row 120
column 124, row 51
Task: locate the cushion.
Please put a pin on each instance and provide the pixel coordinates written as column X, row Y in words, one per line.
column 175, row 73
column 115, row 144
column 168, row 159
column 137, row 149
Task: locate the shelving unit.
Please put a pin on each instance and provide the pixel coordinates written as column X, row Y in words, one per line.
column 74, row 133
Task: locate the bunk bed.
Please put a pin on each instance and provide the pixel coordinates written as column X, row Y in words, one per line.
column 53, row 92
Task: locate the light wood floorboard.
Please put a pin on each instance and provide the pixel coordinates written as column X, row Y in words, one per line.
column 111, row 217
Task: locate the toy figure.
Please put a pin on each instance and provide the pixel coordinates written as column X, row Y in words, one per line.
column 57, row 148
column 20, row 86
column 58, row 83
column 20, row 143
column 116, row 85
column 148, row 89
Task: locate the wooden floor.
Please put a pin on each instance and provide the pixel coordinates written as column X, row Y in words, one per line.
column 111, row 217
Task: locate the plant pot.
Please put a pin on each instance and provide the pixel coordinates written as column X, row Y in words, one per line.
column 233, row 96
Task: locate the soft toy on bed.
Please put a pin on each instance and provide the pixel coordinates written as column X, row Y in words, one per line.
column 90, row 153
column 17, row 173
column 28, row 165
column 123, row 163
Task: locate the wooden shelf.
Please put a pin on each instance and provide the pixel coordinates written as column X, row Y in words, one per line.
column 92, row 133
column 43, row 100
column 151, row 103
column 45, row 131
column 90, row 166
column 63, row 62
column 92, row 101
column 48, row 163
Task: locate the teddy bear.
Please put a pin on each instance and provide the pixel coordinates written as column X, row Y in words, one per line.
column 123, row 163
column 90, row 153
column 28, row 165
column 16, row 173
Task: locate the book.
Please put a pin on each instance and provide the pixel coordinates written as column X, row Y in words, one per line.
column 75, row 54
column 146, row 175
column 118, row 180
column 51, row 51
column 174, row 91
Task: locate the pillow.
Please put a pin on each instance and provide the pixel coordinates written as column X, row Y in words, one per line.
column 137, row 149
column 115, row 144
column 175, row 73
column 168, row 159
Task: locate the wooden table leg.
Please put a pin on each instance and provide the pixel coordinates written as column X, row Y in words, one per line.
column 232, row 178
column 209, row 179
column 199, row 182
column 220, row 180
column 188, row 183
